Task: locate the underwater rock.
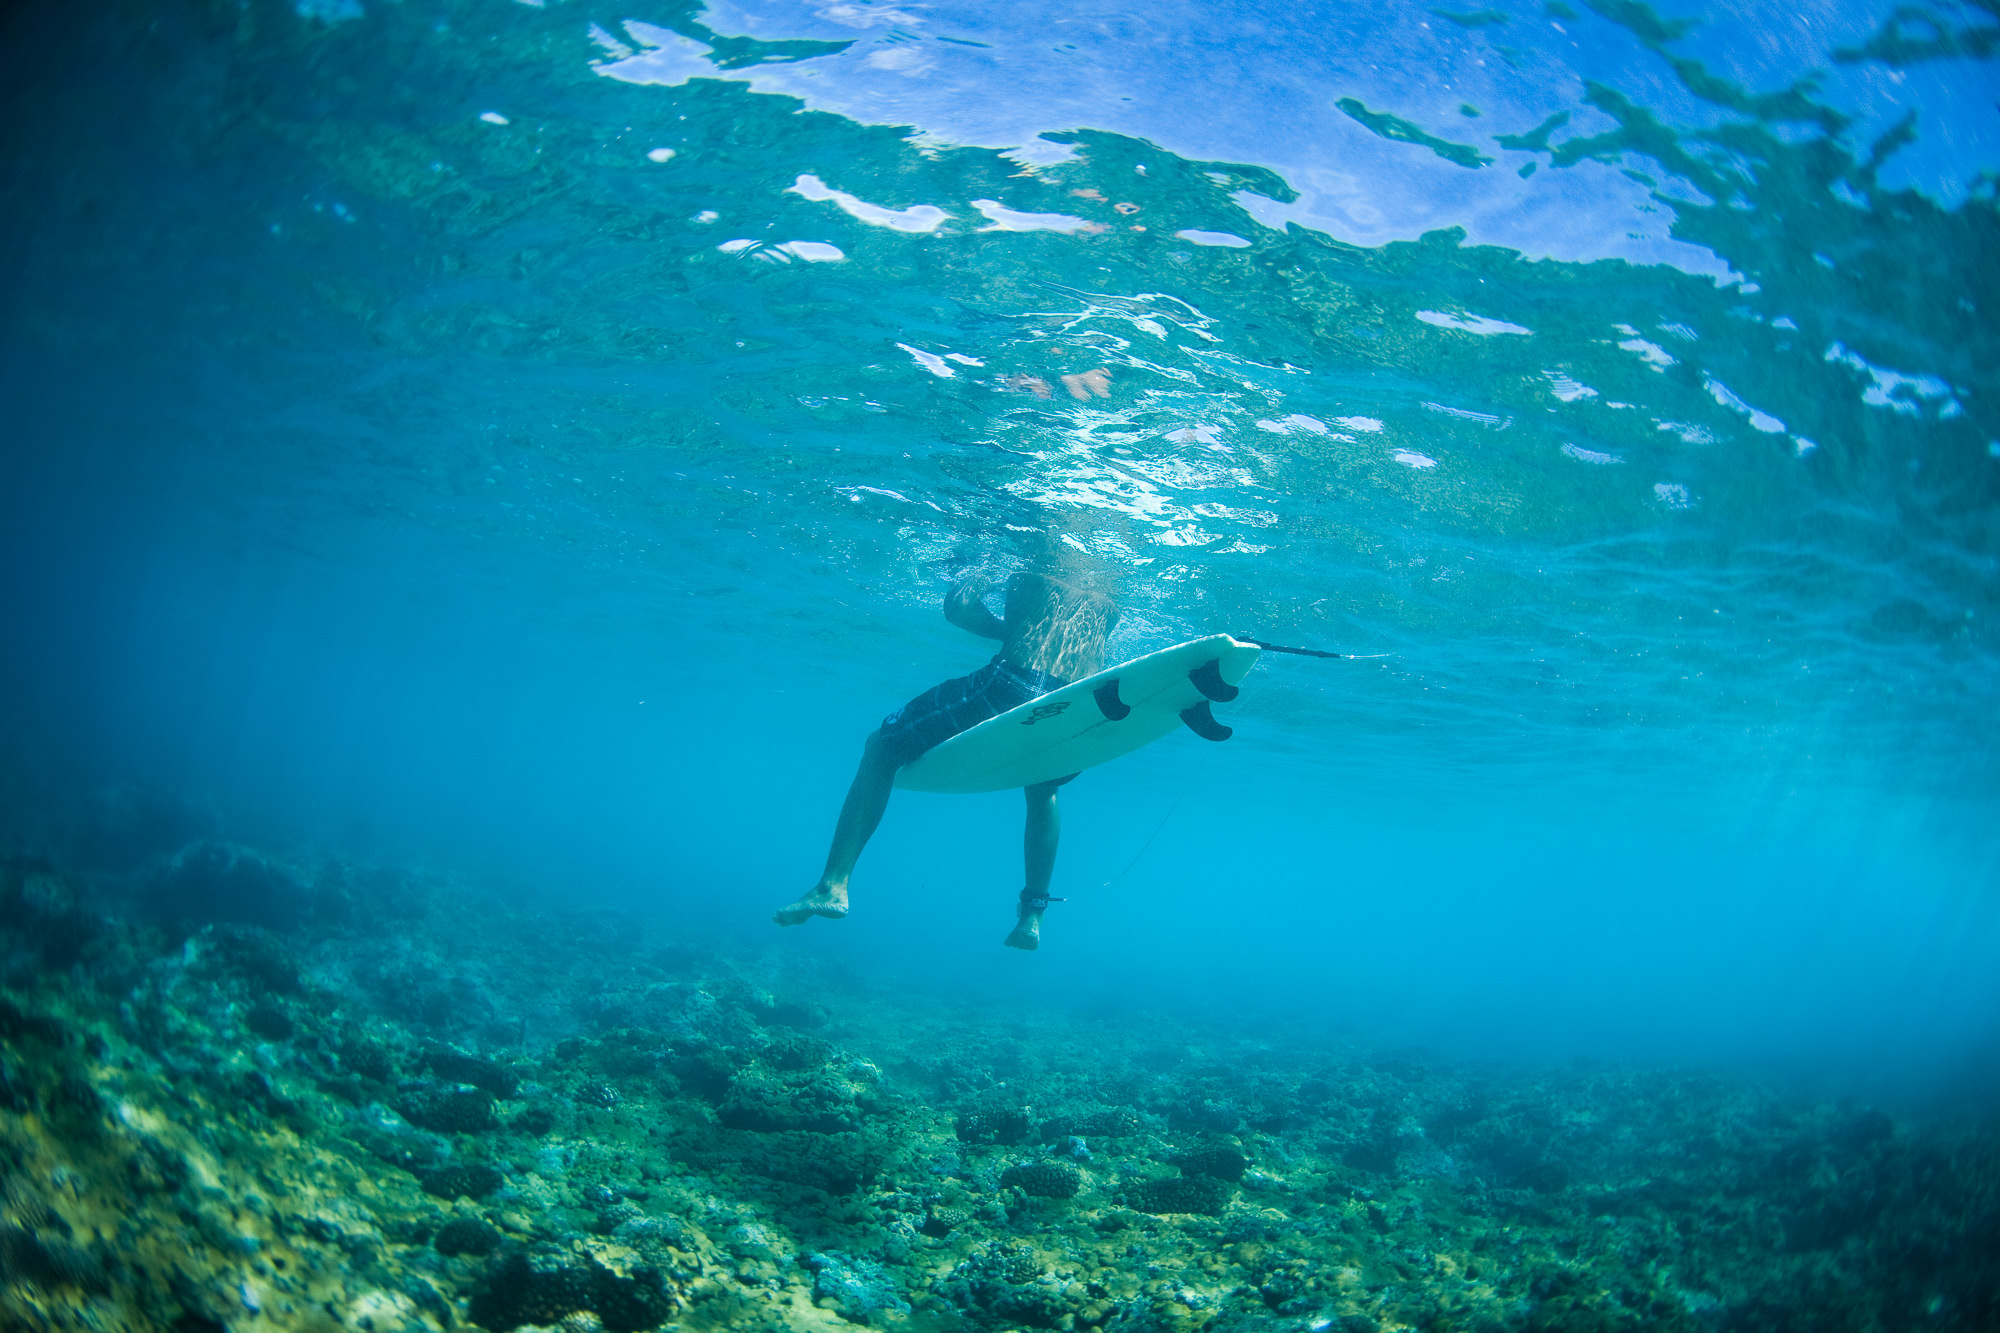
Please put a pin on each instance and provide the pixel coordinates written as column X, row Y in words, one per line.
column 391, row 1138
column 704, row 1068
column 942, row 1221
column 1208, row 1115
column 44, row 914
column 17, row 1023
column 838, row 1163
column 1187, row 1194
column 1627, row 1199
column 473, row 1180
column 534, row 1121
column 369, row 1058
column 1549, row 1175
column 17, row 1093
column 215, row 881
column 627, row 1304
column 1375, row 1153
column 270, row 1020
column 415, row 991
column 1006, row 1128
column 795, row 1050
column 793, row 1014
column 620, row 1054
column 1107, row 1122
column 129, row 824
column 762, row 1100
column 643, row 1231
column 1217, row 1163
column 719, row 1015
column 1516, row 1163
column 544, row 1285
column 680, row 959
column 458, row 1067
column 252, row 954
column 32, row 1256
column 1287, row 1286
column 1043, row 1180
column 462, row 1109
column 1862, row 1132
column 857, row 1289
column 611, row 1219
column 467, row 1235
column 538, row 1286
column 1003, row 1281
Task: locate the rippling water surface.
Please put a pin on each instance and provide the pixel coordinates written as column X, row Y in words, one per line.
column 538, row 435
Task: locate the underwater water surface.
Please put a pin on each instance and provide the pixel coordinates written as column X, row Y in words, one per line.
column 530, row 442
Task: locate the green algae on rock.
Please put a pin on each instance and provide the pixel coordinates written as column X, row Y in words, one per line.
column 215, row 1174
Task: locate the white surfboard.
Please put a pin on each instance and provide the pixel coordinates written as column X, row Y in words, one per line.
column 1084, row 724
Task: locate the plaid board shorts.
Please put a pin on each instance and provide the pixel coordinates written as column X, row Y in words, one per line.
column 942, row 711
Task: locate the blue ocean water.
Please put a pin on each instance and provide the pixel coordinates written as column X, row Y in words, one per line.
column 535, row 439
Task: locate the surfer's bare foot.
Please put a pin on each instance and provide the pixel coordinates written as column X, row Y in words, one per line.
column 822, row 901
column 1027, row 932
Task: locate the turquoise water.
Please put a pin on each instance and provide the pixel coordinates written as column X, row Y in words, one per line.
column 535, row 439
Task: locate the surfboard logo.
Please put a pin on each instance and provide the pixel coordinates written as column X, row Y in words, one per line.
column 1042, row 712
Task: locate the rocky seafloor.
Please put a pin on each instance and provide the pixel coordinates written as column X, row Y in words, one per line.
column 239, row 1093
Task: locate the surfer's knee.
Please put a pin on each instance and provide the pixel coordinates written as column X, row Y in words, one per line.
column 875, row 753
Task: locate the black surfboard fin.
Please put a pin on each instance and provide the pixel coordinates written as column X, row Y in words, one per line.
column 1108, row 702
column 1203, row 724
column 1208, row 679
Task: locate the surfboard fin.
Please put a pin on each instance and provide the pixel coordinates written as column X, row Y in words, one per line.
column 1203, row 724
column 1108, row 702
column 1208, row 679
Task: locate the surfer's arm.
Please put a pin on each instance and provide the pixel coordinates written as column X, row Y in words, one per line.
column 963, row 608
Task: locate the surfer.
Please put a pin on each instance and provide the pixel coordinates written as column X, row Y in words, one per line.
column 1051, row 633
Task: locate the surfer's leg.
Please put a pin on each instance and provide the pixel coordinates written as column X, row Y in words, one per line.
column 1038, row 854
column 867, row 798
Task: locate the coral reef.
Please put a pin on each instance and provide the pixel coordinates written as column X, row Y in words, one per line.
column 473, row 1181
column 245, row 1125
column 463, row 1109
column 467, row 1235
column 1043, row 1180
column 544, row 1285
column 1093, row 1122
column 1186, row 1194
column 213, row 881
column 859, row 1289
column 1217, row 1163
column 1008, row 1128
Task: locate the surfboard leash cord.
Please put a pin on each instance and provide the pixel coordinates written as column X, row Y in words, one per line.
column 1280, row 648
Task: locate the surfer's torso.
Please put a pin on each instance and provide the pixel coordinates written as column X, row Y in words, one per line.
column 1054, row 627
